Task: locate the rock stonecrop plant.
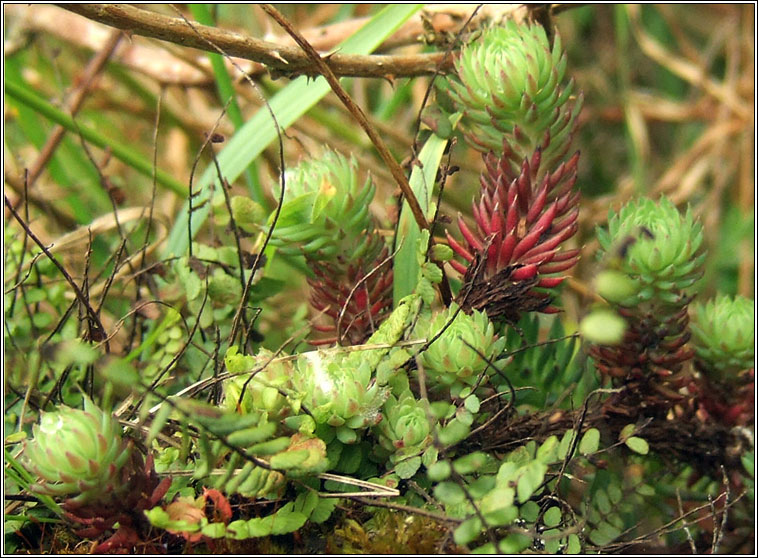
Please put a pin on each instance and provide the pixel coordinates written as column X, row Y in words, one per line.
column 405, row 429
column 515, row 255
column 454, row 359
column 339, row 392
column 81, row 454
column 653, row 258
column 265, row 391
column 78, row 453
column 510, row 88
column 723, row 337
column 515, row 107
column 326, row 217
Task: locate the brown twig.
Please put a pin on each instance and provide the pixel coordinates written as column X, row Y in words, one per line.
column 408, row 509
column 285, row 59
column 50, row 209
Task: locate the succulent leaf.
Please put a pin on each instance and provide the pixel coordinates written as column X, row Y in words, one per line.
column 515, row 251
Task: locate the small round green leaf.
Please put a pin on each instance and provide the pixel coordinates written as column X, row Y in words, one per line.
column 406, row 468
column 627, row 431
column 453, row 433
column 449, row 493
column 470, row 463
column 590, row 441
column 214, row 530
column 552, row 516
column 603, row 327
column 574, row 544
column 638, row 445
column 604, row 534
column 439, row 471
column 472, row 403
column 467, row 531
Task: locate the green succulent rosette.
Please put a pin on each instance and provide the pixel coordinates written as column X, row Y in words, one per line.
column 723, row 336
column 510, row 86
column 404, row 429
column 265, row 391
column 325, row 213
column 338, row 392
column 77, row 453
column 653, row 254
column 450, row 360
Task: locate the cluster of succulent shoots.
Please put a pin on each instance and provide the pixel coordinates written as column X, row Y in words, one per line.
column 653, row 260
column 326, row 217
column 723, row 337
column 339, row 391
column 509, row 89
column 81, row 454
column 336, row 388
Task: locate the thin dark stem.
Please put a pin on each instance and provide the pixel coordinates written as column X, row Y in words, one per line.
column 77, row 291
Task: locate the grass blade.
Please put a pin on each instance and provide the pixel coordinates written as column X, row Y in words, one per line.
column 227, row 94
column 406, row 266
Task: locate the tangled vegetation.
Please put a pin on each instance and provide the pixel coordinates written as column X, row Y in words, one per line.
column 356, row 288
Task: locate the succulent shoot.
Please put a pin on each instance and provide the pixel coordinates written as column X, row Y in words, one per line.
column 266, row 389
column 510, row 89
column 653, row 260
column 326, row 209
column 723, row 337
column 454, row 359
column 337, row 392
column 516, row 253
column 78, row 454
column 405, row 429
column 655, row 249
column 326, row 217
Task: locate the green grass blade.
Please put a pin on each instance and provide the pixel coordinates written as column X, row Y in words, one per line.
column 202, row 14
column 227, row 94
column 288, row 105
column 68, row 166
column 119, row 150
column 406, row 267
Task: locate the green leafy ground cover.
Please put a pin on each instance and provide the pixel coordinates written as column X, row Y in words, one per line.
column 225, row 330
